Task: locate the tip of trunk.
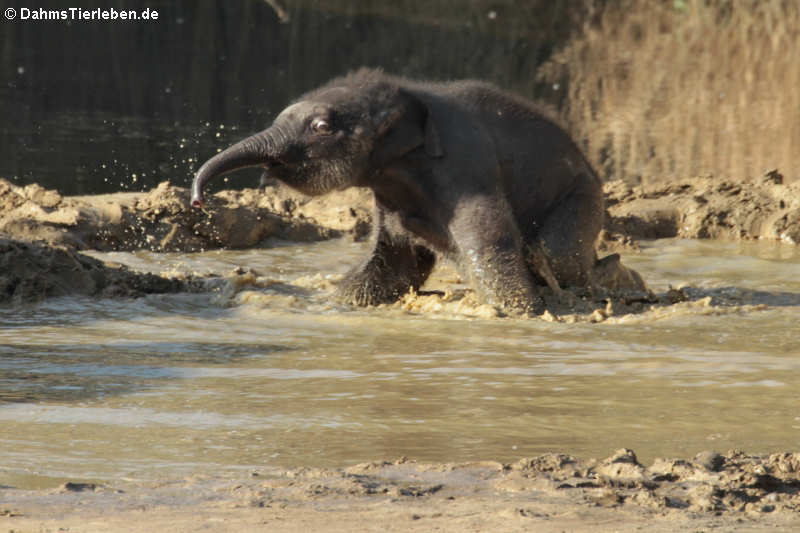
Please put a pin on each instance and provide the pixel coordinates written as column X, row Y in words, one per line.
column 197, row 199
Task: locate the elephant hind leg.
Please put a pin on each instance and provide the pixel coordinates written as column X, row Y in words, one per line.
column 569, row 231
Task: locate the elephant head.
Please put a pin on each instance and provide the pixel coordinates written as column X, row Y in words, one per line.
column 335, row 137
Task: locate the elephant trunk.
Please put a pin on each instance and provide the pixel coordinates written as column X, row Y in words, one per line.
column 250, row 152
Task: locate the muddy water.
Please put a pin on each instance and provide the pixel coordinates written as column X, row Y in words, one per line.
column 265, row 371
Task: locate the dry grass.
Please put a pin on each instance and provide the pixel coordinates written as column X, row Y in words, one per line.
column 659, row 90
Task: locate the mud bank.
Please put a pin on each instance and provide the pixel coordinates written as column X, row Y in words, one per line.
column 42, row 232
column 553, row 492
column 161, row 220
column 707, row 208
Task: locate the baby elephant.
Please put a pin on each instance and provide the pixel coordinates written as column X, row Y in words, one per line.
column 461, row 170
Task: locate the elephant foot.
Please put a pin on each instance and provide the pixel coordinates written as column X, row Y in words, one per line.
column 363, row 291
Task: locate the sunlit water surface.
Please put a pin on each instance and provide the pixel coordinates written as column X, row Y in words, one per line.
column 223, row 383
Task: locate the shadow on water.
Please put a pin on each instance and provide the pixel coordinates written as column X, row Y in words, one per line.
column 74, row 310
column 729, row 296
column 61, row 373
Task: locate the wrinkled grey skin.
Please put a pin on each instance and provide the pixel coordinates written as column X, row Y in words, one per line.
column 459, row 170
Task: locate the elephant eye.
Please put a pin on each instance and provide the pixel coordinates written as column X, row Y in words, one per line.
column 321, row 126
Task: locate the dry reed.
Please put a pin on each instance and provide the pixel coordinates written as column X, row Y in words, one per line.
column 661, row 90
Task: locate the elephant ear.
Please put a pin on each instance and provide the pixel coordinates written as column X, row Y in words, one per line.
column 403, row 127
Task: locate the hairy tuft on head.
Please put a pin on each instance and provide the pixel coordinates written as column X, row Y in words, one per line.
column 362, row 78
column 372, row 91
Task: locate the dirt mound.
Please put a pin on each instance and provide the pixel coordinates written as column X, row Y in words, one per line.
column 161, row 219
column 710, row 482
column 707, row 208
column 30, row 272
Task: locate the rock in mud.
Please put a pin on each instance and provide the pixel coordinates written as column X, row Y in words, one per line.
column 622, row 465
column 711, row 461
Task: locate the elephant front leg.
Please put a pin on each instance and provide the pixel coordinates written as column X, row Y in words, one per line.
column 491, row 255
column 393, row 268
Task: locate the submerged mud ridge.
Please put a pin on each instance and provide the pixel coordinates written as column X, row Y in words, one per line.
column 446, row 296
column 31, row 272
column 553, row 491
column 612, row 306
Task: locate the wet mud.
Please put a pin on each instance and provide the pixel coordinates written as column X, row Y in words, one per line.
column 731, row 491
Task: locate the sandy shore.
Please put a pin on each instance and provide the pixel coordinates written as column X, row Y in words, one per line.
column 554, row 492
